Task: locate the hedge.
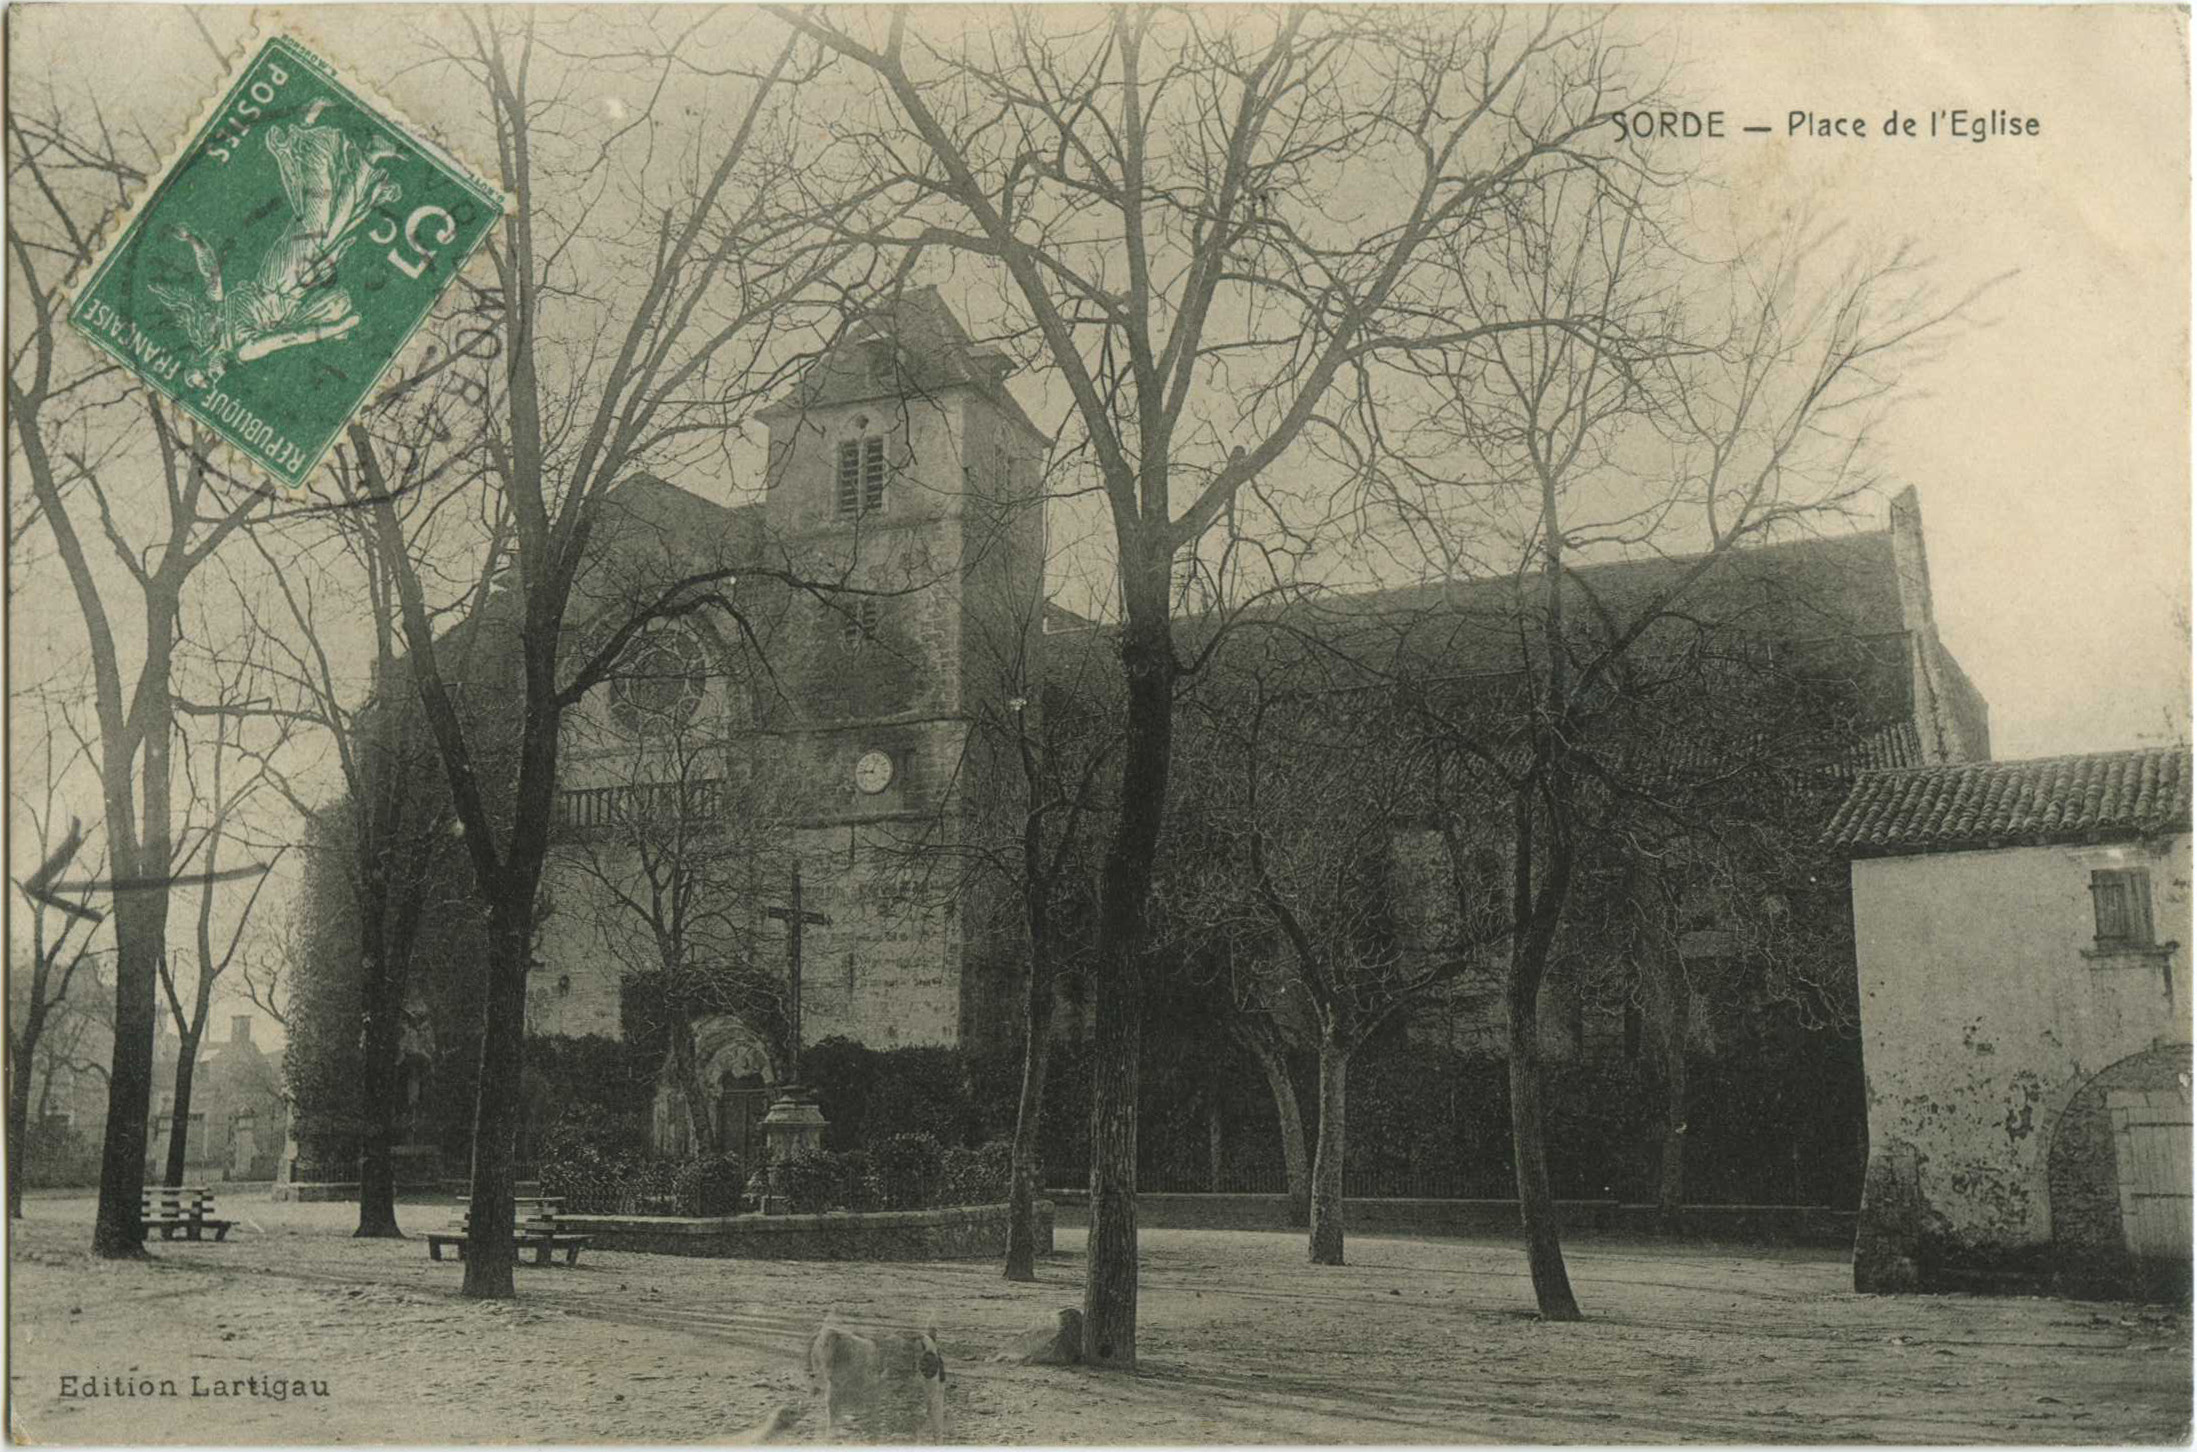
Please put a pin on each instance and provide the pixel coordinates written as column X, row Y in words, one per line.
column 904, row 1172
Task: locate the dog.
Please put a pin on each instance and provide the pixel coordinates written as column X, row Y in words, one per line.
column 875, row 1380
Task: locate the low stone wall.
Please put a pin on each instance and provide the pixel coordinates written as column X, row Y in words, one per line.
column 313, row 1192
column 968, row 1232
column 1797, row 1225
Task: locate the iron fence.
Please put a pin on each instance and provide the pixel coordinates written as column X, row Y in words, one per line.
column 1360, row 1182
column 620, row 1200
column 656, row 1187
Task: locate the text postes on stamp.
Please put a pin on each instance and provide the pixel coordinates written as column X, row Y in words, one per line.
column 284, row 260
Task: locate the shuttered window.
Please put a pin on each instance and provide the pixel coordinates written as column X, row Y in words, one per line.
column 2121, row 900
column 861, row 478
column 860, row 621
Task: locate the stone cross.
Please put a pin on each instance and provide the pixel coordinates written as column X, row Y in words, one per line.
column 796, row 921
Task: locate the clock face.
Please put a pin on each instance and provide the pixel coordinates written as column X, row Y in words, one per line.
column 873, row 772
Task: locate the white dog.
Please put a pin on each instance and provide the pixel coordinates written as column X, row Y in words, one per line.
column 879, row 1380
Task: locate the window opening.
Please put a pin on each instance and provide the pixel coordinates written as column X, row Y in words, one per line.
column 860, row 484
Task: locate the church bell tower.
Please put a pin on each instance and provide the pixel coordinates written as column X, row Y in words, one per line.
column 904, row 485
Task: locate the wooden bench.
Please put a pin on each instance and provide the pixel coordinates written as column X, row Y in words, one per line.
column 534, row 1227
column 188, row 1208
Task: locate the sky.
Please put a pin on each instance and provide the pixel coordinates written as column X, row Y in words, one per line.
column 2050, row 444
column 2049, row 440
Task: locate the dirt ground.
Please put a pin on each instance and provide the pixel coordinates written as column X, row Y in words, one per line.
column 1241, row 1340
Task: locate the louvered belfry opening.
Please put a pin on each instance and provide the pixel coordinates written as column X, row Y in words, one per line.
column 861, row 477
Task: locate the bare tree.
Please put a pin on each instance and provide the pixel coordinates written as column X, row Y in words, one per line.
column 1044, row 746
column 1702, row 411
column 63, row 928
column 1712, row 839
column 263, row 978
column 305, row 610
column 1152, row 189
column 1261, row 1038
column 1304, row 791
column 623, row 344
column 685, row 837
column 91, row 447
column 219, row 788
column 1056, row 768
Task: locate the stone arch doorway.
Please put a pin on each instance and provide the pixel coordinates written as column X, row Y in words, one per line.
column 2118, row 1178
column 742, row 1101
column 735, row 1068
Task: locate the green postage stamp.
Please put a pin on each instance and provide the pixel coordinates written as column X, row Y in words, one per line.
column 284, row 260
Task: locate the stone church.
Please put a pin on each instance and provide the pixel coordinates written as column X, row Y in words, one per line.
column 893, row 591
column 899, row 564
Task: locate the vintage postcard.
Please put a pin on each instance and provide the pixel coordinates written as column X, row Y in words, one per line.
column 1019, row 725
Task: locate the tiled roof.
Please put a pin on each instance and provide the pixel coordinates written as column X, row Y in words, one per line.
column 931, row 351
column 2104, row 796
column 1898, row 744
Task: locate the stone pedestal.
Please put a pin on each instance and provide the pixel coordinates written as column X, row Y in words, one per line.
column 793, row 1124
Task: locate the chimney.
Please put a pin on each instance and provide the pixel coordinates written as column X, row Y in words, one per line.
column 1912, row 564
column 240, row 1028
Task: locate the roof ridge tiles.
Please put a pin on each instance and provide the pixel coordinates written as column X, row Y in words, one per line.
column 2139, row 791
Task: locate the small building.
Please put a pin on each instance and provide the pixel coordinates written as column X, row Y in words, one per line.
column 239, row 1117
column 2022, row 936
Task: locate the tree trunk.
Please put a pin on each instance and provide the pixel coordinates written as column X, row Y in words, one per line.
column 1670, row 1187
column 1327, row 1163
column 1670, row 1190
column 489, row 1251
column 1668, row 1010
column 141, row 920
column 1536, row 1204
column 22, row 1056
column 1037, row 1054
column 18, row 1125
column 1110, row 1272
column 1110, row 1279
column 686, row 1065
column 1536, row 913
column 1213, row 1145
column 381, row 1037
column 1290, row 1116
column 179, row 1135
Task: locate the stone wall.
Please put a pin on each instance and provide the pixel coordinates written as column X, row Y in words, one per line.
column 887, row 970
column 1985, row 1008
column 969, row 1232
column 321, row 1192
